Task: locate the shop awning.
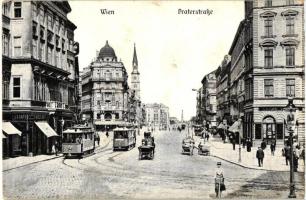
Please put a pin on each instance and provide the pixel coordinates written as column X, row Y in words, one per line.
column 221, row 126
column 235, row 127
column 10, row 129
column 46, row 129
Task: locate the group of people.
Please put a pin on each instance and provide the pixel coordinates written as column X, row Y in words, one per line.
column 298, row 153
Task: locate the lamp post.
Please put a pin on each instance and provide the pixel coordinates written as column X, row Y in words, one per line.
column 290, row 123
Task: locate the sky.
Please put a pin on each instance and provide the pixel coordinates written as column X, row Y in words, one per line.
column 174, row 51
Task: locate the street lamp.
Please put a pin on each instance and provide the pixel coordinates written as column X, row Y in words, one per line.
column 290, row 123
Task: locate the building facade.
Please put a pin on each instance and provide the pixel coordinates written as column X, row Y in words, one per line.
column 237, row 69
column 40, row 72
column 209, row 100
column 222, row 90
column 105, row 91
column 278, row 67
column 157, row 116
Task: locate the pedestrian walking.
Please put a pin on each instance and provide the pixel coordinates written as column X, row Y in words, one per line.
column 56, row 147
column 207, row 135
column 296, row 154
column 302, row 154
column 260, row 154
column 53, row 149
column 263, row 145
column 232, row 139
column 249, row 145
column 286, row 153
column 98, row 139
column 219, row 180
column 107, row 134
column 272, row 147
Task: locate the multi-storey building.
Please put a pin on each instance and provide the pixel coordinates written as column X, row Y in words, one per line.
column 236, row 74
column 222, row 93
column 105, row 91
column 278, row 68
column 40, row 73
column 157, row 116
column 209, row 101
column 199, row 107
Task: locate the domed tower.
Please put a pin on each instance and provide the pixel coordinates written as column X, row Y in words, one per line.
column 107, row 54
column 135, row 82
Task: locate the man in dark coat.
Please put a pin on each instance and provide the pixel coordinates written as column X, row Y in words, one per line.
column 287, row 153
column 260, row 154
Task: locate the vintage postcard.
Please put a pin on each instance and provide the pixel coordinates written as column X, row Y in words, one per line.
column 153, row 99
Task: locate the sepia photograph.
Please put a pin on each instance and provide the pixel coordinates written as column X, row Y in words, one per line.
column 141, row 99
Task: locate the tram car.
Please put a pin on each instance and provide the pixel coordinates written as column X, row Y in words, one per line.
column 78, row 141
column 124, row 138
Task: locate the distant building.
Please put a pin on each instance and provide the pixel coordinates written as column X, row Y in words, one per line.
column 209, row 101
column 39, row 74
column 105, row 91
column 222, row 93
column 157, row 116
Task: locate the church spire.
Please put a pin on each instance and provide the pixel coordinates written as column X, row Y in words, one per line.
column 135, row 61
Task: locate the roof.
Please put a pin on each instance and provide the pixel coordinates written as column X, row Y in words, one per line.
column 107, row 51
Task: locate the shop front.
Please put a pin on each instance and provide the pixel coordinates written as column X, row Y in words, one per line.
column 11, row 140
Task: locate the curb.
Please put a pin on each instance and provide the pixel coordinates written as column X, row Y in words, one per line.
column 101, row 148
column 32, row 163
column 247, row 167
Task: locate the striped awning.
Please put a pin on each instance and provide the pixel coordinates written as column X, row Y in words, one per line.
column 46, row 129
column 9, row 129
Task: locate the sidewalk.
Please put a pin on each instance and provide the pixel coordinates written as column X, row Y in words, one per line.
column 12, row 163
column 248, row 159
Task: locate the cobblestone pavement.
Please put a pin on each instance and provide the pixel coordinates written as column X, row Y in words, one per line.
column 120, row 175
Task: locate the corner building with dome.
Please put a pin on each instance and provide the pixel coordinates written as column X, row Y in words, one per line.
column 105, row 91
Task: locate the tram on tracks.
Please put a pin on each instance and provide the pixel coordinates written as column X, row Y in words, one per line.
column 124, row 138
column 78, row 141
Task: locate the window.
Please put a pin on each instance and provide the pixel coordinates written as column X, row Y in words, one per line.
column 16, row 87
column 290, row 25
column 290, row 56
column 257, row 131
column 49, row 58
column 42, row 33
column 41, row 15
column 290, row 2
column 268, row 87
column 34, row 48
column 41, row 53
column 268, row 3
column 56, row 26
column 34, row 30
column 17, row 46
column 279, row 131
column 5, row 86
column 290, row 87
column 50, row 21
column 268, row 27
column 63, row 45
column 17, row 9
column 5, row 44
column 269, row 58
column 50, row 37
column 34, row 11
column 6, row 8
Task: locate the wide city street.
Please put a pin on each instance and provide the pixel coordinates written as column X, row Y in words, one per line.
column 120, row 175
